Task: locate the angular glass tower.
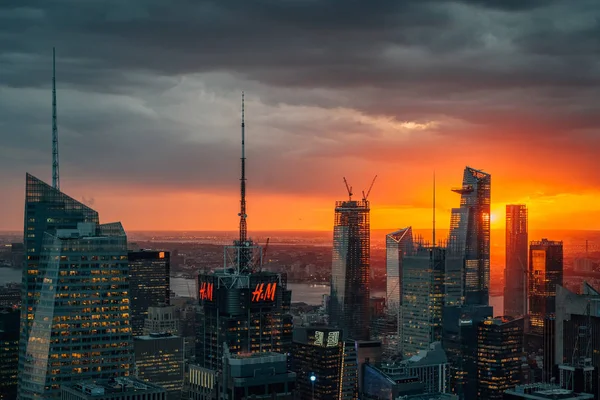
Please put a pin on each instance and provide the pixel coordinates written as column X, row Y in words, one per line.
column 75, row 314
column 397, row 245
column 470, row 235
column 515, row 272
column 350, row 272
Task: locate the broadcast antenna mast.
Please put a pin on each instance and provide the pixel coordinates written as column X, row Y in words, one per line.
column 55, row 168
column 242, row 214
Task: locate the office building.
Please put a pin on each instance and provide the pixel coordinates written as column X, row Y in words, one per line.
column 149, row 282
column 9, row 352
column 350, row 273
column 577, row 339
column 46, row 210
column 459, row 340
column 431, row 396
column 499, row 352
column 544, row 391
column 323, row 352
column 381, row 383
column 256, row 376
column 81, row 328
column 159, row 359
column 515, row 272
column 10, row 295
column 422, row 298
column 470, row 235
column 112, row 389
column 431, row 367
column 161, row 319
column 546, row 272
column 397, row 244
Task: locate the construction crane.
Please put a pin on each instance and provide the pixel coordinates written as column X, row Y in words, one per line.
column 349, row 189
column 264, row 252
column 366, row 196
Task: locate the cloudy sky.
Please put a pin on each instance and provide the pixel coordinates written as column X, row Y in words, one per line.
column 149, row 101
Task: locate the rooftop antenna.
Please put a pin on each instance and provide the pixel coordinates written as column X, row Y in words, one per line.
column 242, row 214
column 433, row 208
column 55, row 169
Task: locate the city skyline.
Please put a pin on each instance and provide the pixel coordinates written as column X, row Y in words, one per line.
column 168, row 123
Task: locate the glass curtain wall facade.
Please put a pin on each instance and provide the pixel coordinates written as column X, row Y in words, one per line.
column 81, row 321
column 149, row 284
column 397, row 244
column 422, row 298
column 499, row 351
column 350, row 273
column 515, row 272
column 545, row 273
column 470, row 235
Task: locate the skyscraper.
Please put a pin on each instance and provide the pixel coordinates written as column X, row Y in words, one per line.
column 515, row 272
column 422, row 298
column 81, row 328
column 350, row 272
column 149, row 284
column 545, row 272
column 470, row 235
column 9, row 352
column 397, row 244
column 499, row 351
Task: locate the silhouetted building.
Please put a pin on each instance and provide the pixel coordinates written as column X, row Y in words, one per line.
column 9, row 352
column 544, row 391
column 112, row 389
column 422, row 298
column 577, row 339
column 515, row 272
column 470, row 235
column 159, row 359
column 546, row 272
column 499, row 352
column 149, row 281
column 350, row 273
column 323, row 353
column 459, row 340
column 256, row 376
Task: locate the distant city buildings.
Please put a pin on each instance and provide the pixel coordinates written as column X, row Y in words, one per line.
column 470, row 235
column 10, row 295
column 515, row 272
column 546, row 272
column 350, row 273
column 9, row 352
column 499, row 352
column 75, row 318
column 149, row 275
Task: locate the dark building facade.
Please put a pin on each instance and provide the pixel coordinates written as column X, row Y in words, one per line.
column 499, row 351
column 515, row 271
column 545, row 273
column 470, row 235
column 159, row 359
column 323, row 352
column 149, row 273
column 459, row 339
column 10, row 295
column 9, row 352
column 249, row 312
column 350, row 272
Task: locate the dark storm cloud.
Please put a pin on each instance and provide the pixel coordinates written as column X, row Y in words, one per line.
column 504, row 66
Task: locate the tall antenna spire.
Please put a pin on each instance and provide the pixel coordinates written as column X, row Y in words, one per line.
column 433, row 209
column 242, row 214
column 55, row 169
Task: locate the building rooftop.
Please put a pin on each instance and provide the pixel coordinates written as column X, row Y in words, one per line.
column 542, row 391
column 116, row 385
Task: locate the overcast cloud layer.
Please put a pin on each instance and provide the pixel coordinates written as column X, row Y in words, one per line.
column 148, row 93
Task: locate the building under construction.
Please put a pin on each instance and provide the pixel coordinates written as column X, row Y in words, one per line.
column 350, row 272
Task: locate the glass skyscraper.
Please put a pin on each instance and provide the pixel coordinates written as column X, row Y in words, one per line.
column 545, row 272
column 149, row 273
column 515, row 272
column 350, row 272
column 397, row 244
column 75, row 311
column 470, row 235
